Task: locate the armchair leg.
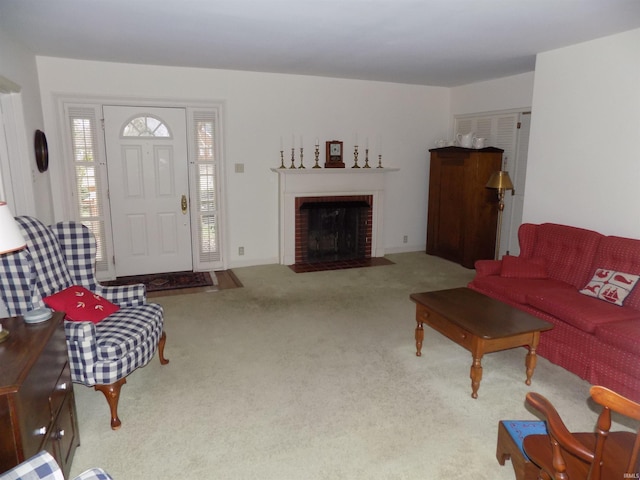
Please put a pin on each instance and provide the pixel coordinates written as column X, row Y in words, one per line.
column 161, row 342
column 112, row 394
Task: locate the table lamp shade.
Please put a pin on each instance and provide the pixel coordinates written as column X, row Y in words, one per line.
column 10, row 237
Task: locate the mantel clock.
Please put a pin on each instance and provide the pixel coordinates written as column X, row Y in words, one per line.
column 335, row 152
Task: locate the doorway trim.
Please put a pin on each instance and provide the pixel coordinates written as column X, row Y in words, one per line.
column 64, row 205
column 13, row 145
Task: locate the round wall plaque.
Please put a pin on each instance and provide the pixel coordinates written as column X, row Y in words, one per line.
column 42, row 151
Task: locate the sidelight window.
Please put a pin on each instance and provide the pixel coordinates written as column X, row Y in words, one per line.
column 88, row 191
column 205, row 213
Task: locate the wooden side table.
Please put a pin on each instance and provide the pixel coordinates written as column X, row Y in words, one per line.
column 37, row 405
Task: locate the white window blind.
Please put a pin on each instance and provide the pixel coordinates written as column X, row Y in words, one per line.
column 87, row 162
column 499, row 130
column 205, row 196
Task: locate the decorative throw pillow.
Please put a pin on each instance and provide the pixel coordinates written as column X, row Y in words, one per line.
column 610, row 286
column 81, row 305
column 516, row 267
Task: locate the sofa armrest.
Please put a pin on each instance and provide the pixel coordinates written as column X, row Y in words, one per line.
column 485, row 268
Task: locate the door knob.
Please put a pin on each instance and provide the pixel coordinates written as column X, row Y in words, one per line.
column 183, row 204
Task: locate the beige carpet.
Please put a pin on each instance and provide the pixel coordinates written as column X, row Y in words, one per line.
column 314, row 376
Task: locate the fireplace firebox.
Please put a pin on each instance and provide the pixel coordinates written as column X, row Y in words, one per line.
column 332, row 229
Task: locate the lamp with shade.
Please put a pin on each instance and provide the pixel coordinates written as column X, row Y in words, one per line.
column 10, row 240
column 500, row 182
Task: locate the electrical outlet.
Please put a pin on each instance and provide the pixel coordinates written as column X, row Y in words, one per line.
column 239, row 167
column 405, row 239
column 240, row 250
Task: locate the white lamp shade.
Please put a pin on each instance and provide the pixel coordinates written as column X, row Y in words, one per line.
column 10, row 237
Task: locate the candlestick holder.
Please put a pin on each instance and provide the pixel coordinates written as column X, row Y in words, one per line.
column 355, row 157
column 366, row 159
column 301, row 155
column 317, row 154
column 379, row 162
column 282, row 159
column 293, row 158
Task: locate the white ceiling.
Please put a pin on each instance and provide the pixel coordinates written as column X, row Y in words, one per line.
column 427, row 42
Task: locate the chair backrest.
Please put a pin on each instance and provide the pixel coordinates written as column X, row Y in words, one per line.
column 612, row 401
column 595, row 454
column 78, row 245
column 39, row 270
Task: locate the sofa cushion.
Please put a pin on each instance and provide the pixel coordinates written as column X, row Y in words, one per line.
column 610, row 286
column 584, row 313
column 518, row 289
column 568, row 252
column 518, row 267
column 623, row 255
column 81, row 305
column 625, row 335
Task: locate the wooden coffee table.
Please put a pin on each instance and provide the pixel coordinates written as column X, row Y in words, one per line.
column 478, row 323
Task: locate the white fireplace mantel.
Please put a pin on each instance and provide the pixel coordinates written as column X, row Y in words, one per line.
column 313, row 182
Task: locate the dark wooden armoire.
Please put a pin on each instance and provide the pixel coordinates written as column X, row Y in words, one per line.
column 462, row 213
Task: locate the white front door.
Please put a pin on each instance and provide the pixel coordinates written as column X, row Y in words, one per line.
column 148, row 189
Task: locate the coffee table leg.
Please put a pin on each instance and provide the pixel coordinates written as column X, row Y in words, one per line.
column 419, row 338
column 476, row 375
column 532, row 359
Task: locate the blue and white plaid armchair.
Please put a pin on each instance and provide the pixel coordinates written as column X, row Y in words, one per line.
column 43, row 466
column 100, row 355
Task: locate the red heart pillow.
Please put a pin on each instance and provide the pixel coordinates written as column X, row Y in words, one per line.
column 81, row 305
column 516, row 267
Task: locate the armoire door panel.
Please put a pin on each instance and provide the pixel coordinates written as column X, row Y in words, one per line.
column 462, row 212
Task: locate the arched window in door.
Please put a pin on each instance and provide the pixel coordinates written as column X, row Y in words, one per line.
column 146, row 126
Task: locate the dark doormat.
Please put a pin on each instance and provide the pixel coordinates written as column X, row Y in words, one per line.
column 166, row 281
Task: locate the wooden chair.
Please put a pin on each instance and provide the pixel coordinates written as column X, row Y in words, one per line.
column 601, row 455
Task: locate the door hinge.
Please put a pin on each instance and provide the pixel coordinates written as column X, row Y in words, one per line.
column 102, row 123
column 113, row 259
column 519, row 125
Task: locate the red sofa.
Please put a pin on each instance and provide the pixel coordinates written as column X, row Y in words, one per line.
column 592, row 337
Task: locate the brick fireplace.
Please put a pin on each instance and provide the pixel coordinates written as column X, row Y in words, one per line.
column 327, row 185
column 333, row 228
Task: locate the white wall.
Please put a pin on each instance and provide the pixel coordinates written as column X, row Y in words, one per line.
column 18, row 65
column 506, row 93
column 401, row 122
column 584, row 166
